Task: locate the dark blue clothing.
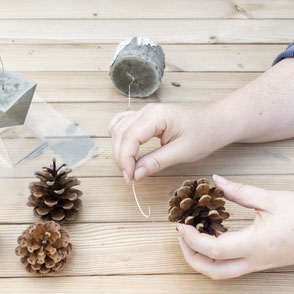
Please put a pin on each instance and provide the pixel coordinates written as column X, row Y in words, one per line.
column 289, row 52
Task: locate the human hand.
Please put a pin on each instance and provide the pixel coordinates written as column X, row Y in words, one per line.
column 267, row 243
column 186, row 134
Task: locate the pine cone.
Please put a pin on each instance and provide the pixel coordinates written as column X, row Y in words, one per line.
column 196, row 204
column 54, row 197
column 43, row 248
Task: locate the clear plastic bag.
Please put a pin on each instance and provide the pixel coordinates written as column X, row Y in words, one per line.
column 45, row 129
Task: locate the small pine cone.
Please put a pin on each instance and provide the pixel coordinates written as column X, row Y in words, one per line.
column 43, row 248
column 196, row 204
column 53, row 196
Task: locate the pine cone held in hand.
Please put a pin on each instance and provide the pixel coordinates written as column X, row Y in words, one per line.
column 196, row 204
column 43, row 248
column 53, row 196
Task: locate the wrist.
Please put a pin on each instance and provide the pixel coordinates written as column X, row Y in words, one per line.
column 228, row 127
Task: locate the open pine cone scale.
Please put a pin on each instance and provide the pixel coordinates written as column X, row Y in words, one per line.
column 53, row 196
column 196, row 204
column 43, row 248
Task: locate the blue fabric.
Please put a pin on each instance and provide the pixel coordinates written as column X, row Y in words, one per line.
column 289, row 52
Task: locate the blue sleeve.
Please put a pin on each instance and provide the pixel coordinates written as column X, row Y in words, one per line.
column 289, row 52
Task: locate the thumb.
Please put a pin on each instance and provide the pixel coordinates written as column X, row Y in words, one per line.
column 153, row 162
column 245, row 195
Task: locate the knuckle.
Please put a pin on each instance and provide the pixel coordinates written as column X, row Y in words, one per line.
column 129, row 135
column 216, row 253
column 155, row 164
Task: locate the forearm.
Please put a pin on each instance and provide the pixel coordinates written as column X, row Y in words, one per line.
column 263, row 110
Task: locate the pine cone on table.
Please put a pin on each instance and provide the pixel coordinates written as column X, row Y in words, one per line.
column 53, row 196
column 44, row 248
column 196, row 204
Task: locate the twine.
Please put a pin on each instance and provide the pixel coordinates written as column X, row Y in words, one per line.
column 133, row 182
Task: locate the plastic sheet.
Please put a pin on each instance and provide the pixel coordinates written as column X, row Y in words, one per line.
column 45, row 129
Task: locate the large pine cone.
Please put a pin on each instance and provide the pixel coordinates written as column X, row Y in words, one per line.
column 196, row 204
column 54, row 197
column 43, row 248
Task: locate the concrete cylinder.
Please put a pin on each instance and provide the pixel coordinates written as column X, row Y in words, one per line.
column 138, row 63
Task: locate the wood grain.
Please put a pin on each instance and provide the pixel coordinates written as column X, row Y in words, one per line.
column 238, row 159
column 111, row 200
column 120, row 205
column 97, row 57
column 167, row 31
column 103, row 9
column 212, row 47
column 67, row 87
column 118, row 248
column 265, row 283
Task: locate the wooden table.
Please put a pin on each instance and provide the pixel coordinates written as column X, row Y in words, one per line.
column 212, row 48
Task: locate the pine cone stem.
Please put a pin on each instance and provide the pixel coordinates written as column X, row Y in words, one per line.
column 54, row 196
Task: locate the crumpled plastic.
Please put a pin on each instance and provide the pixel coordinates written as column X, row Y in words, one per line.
column 45, row 129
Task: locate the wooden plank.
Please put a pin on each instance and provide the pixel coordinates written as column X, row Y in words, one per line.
column 97, row 87
column 167, row 31
column 237, row 159
column 101, row 113
column 119, row 248
column 103, row 9
column 90, row 57
column 265, row 283
column 120, row 205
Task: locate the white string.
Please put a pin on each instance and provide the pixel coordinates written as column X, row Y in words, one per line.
column 133, row 183
column 129, row 100
column 138, row 204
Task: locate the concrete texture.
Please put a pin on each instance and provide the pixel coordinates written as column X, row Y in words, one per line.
column 139, row 58
column 15, row 99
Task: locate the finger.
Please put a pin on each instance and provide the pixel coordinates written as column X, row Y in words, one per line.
column 159, row 159
column 116, row 119
column 215, row 269
column 227, row 246
column 119, row 130
column 137, row 134
column 245, row 195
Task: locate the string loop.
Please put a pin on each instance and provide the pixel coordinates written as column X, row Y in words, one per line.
column 138, row 204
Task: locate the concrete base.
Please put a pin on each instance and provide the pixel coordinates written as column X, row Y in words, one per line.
column 143, row 60
column 15, row 99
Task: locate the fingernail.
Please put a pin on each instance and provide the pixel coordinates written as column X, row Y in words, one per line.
column 126, row 177
column 140, row 173
column 220, row 180
column 180, row 228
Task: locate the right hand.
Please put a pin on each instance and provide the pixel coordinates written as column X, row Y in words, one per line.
column 187, row 133
column 267, row 243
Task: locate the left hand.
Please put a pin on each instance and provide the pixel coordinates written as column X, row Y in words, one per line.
column 267, row 243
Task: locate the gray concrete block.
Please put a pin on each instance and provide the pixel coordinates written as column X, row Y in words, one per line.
column 141, row 59
column 15, row 99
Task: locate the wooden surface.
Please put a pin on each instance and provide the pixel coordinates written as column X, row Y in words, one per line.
column 212, row 48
